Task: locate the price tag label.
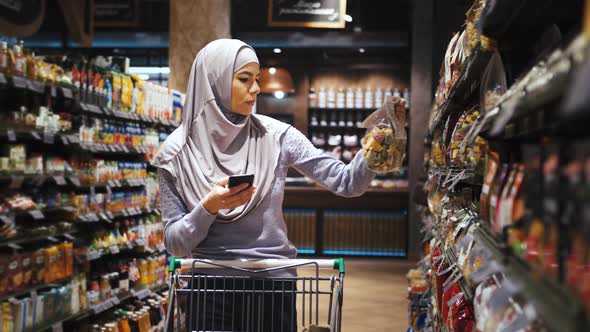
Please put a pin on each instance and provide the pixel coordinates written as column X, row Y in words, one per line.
column 64, row 140
column 74, row 139
column 11, row 135
column 75, row 180
column 140, row 242
column 69, row 236
column 60, row 180
column 84, row 107
column 52, row 239
column 156, row 211
column 16, row 181
column 70, row 209
column 7, row 220
column 118, row 183
column 114, row 249
column 35, row 135
column 161, row 247
column 36, row 86
column 36, row 214
column 94, row 217
column 57, row 327
column 129, row 245
column 82, row 218
column 67, row 92
column 19, row 82
column 110, row 215
column 53, row 91
column 110, row 183
column 3, row 79
column 125, row 213
column 125, row 149
column 92, row 255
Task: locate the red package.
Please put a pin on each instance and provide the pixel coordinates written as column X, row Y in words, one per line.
column 462, row 317
column 446, row 298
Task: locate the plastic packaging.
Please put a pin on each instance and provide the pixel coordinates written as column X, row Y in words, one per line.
column 384, row 144
column 493, row 83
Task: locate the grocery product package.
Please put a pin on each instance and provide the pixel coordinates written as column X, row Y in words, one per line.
column 384, row 144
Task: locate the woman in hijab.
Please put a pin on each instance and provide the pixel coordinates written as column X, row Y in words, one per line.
column 219, row 137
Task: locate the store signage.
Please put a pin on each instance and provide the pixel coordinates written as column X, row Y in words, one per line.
column 116, row 13
column 306, row 13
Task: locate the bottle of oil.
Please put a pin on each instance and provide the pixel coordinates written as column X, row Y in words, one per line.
column 4, row 57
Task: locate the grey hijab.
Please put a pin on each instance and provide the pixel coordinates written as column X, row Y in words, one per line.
column 211, row 142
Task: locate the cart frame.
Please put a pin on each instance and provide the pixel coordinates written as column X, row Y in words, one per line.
column 253, row 273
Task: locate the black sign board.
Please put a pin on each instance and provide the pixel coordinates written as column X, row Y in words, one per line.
column 306, row 13
column 116, row 13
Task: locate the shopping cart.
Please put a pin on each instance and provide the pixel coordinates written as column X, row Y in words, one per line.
column 259, row 295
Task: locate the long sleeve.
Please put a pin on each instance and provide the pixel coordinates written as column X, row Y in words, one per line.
column 183, row 230
column 345, row 180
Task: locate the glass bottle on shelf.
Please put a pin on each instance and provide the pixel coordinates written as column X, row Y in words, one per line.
column 350, row 119
column 324, row 119
column 396, row 93
column 407, row 98
column 378, row 97
column 314, row 118
column 322, row 98
column 333, row 119
column 349, row 98
column 340, row 98
column 4, row 57
column 341, row 119
column 312, row 98
column 369, row 98
column 331, row 98
column 358, row 98
column 20, row 61
column 359, row 119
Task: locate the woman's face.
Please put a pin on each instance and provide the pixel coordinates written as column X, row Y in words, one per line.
column 245, row 88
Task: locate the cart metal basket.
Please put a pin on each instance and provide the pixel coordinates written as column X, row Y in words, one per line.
column 275, row 295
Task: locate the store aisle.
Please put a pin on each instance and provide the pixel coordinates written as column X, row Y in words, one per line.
column 375, row 293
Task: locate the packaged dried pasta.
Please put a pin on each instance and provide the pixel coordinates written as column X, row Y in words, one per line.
column 384, row 144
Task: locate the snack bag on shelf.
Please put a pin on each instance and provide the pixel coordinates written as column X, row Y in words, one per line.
column 493, row 83
column 384, row 144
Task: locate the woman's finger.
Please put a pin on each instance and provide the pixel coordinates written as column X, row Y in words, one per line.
column 223, row 182
column 228, row 192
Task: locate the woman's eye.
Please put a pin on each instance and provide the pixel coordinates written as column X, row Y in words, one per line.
column 243, row 80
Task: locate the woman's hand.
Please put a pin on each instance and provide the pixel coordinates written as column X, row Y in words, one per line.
column 399, row 106
column 220, row 197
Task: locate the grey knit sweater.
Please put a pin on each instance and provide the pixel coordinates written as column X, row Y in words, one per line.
column 262, row 233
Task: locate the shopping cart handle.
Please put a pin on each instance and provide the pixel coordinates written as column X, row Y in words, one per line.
column 336, row 263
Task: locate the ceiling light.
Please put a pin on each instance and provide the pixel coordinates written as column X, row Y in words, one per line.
column 272, row 70
column 348, row 18
column 277, row 50
column 144, row 77
column 361, row 50
column 279, row 94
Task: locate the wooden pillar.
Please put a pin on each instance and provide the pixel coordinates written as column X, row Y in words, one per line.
column 193, row 24
column 421, row 103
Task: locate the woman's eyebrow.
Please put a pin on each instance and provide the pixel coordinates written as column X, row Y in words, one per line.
column 246, row 73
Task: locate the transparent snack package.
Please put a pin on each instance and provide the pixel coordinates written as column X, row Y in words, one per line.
column 493, row 83
column 384, row 143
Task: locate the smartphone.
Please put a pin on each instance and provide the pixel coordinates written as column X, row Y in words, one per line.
column 236, row 180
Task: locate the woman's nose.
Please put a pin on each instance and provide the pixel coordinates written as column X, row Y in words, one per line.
column 255, row 88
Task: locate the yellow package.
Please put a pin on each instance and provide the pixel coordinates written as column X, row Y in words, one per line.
column 51, row 264
column 68, row 257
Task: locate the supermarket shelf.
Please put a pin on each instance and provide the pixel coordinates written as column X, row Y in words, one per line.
column 137, row 246
column 559, row 310
column 317, row 189
column 345, row 109
column 533, row 110
column 335, row 128
column 465, row 86
column 37, row 214
column 110, row 216
column 366, row 253
column 116, row 300
column 72, row 94
column 70, row 142
column 49, row 325
column 35, row 238
column 25, row 291
column 19, row 180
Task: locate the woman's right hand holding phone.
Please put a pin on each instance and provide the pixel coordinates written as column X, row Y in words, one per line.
column 220, row 197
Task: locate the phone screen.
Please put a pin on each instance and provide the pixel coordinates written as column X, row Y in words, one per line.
column 236, row 180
